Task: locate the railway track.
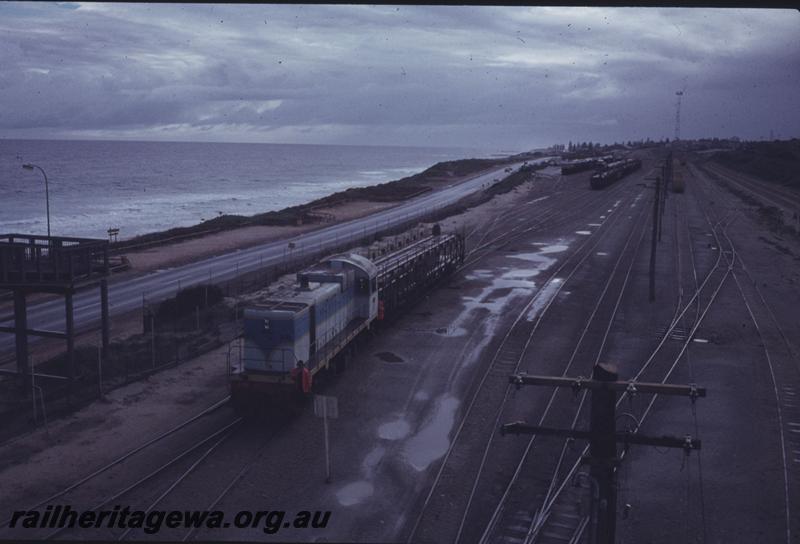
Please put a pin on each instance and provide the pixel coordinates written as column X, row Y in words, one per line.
column 146, row 484
column 551, row 215
column 218, row 461
column 773, row 194
column 562, row 507
column 458, row 466
column 115, row 470
column 559, row 519
column 534, row 475
column 783, row 365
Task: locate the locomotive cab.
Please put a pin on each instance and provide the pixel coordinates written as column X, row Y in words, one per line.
column 365, row 274
column 331, row 304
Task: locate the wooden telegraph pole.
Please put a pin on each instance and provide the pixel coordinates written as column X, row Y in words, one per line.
column 602, row 434
column 666, row 176
column 654, row 240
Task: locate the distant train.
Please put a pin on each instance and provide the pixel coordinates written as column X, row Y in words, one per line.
column 317, row 321
column 581, row 165
column 678, row 184
column 613, row 172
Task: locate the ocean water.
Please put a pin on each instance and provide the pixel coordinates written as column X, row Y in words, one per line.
column 141, row 187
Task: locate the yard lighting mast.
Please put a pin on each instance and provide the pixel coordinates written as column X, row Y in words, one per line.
column 679, row 94
column 46, row 192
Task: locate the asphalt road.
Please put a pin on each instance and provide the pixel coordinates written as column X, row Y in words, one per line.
column 126, row 295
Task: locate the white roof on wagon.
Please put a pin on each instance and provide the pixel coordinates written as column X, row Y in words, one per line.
column 358, row 261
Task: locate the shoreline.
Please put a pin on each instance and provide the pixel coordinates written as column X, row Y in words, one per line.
column 181, row 245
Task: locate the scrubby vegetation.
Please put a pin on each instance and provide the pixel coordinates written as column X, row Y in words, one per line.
column 186, row 301
column 775, row 161
column 517, row 178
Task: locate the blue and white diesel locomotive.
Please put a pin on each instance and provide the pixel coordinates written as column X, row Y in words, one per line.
column 312, row 323
column 317, row 320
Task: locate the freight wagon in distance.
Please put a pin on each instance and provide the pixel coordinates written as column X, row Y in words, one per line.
column 613, row 172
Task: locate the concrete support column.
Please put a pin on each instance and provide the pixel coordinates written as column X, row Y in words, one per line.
column 21, row 328
column 70, row 334
column 105, row 328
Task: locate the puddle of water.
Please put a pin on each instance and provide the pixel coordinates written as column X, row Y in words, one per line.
column 479, row 275
column 432, row 441
column 389, row 357
column 451, row 331
column 543, row 297
column 538, row 199
column 394, row 430
column 515, row 282
column 554, row 248
column 507, row 287
column 540, row 257
column 583, row 232
column 521, row 274
column 372, row 459
column 354, row 493
column 511, row 287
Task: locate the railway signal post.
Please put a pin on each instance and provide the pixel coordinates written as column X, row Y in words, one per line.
column 602, row 434
column 656, row 229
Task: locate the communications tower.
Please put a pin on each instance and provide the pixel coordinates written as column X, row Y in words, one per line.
column 679, row 94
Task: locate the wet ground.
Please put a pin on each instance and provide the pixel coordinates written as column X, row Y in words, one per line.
column 402, row 398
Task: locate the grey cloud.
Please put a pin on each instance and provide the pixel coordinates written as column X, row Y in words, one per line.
column 378, row 74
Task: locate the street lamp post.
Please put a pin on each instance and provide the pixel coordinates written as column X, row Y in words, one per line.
column 46, row 191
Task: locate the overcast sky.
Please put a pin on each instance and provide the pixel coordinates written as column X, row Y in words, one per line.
column 488, row 77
